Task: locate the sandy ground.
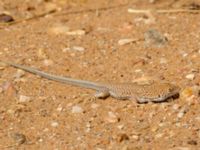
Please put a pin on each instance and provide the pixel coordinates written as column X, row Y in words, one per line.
column 98, row 41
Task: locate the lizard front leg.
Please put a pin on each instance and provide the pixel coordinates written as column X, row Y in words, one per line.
column 102, row 94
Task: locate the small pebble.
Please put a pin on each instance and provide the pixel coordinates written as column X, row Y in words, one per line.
column 78, row 48
column 182, row 112
column 184, row 54
column 122, row 137
column 77, row 109
column 154, row 38
column 120, row 127
column 20, row 73
column 24, row 99
column 9, row 89
column 111, row 118
column 54, row 124
column 159, row 135
column 161, row 124
column 138, row 70
column 163, row 60
column 154, row 129
column 175, row 107
column 48, row 62
column 59, row 108
column 178, row 124
column 152, row 1
column 63, row 29
column 42, row 54
column 192, row 142
column 190, row 76
column 88, row 127
column 49, row 7
column 19, row 138
column 40, row 140
column 6, row 18
column 135, row 137
column 59, row 29
column 7, row 85
column 181, row 148
column 11, row 111
column 2, row 68
column 76, row 32
column 126, row 41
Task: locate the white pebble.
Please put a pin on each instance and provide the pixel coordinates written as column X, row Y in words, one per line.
column 181, row 112
column 190, row 76
column 161, row 124
column 59, row 108
column 78, row 48
column 152, row 1
column 175, row 106
column 159, row 135
column 163, row 60
column 23, row 99
column 88, row 127
column 125, row 41
column 48, row 62
column 138, row 70
column 178, row 124
column 181, row 148
column 59, row 29
column 111, row 118
column 54, row 124
column 19, row 74
column 40, row 140
column 77, row 109
column 185, row 54
column 76, row 32
column 120, row 126
column 135, row 137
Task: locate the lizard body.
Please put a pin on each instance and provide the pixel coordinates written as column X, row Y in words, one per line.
column 155, row 91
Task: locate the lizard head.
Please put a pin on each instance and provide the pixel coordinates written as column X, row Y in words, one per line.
column 159, row 92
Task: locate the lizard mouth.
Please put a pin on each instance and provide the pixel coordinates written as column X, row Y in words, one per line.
column 174, row 95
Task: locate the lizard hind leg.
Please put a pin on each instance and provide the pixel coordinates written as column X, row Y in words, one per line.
column 102, row 94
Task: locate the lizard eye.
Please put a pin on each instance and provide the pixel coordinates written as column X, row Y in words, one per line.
column 159, row 95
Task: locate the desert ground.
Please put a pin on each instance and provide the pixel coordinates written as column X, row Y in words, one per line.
column 100, row 41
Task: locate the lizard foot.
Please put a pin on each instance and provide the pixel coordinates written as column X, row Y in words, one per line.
column 102, row 94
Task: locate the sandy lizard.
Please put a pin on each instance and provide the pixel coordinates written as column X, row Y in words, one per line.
column 154, row 91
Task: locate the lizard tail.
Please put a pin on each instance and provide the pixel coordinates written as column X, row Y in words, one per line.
column 66, row 80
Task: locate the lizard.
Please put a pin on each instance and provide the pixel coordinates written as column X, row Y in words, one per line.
column 154, row 91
